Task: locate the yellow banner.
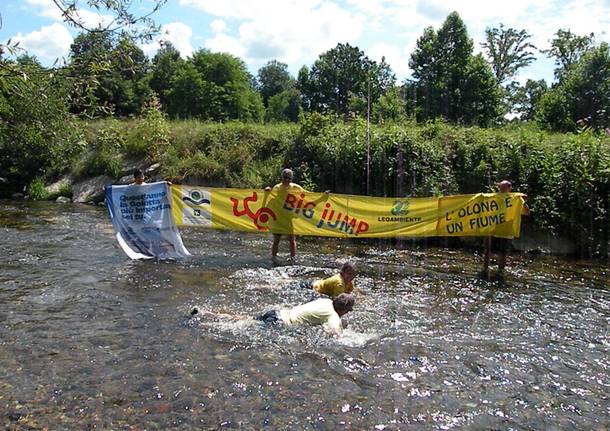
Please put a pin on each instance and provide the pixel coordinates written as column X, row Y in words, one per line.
column 335, row 215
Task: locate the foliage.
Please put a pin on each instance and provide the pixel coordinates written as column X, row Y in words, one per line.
column 389, row 107
column 36, row 190
column 567, row 48
column 165, row 65
column 214, row 86
column 273, row 78
column 284, row 106
column 109, row 75
column 339, row 74
column 37, row 134
column 508, row 50
column 525, row 99
column 117, row 16
column 582, row 96
column 104, row 154
column 150, row 137
column 449, row 81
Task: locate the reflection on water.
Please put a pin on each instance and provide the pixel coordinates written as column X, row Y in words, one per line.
column 92, row 340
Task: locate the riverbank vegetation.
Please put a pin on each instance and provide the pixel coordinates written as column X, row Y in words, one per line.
column 206, row 120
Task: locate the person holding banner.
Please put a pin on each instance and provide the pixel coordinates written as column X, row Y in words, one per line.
column 496, row 244
column 138, row 177
column 286, row 185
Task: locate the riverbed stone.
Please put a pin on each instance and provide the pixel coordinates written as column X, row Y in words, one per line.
column 57, row 186
column 90, row 190
column 63, row 200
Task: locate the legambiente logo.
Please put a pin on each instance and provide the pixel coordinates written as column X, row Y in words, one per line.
column 399, row 211
column 400, row 208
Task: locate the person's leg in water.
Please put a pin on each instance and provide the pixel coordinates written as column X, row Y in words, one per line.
column 270, row 317
column 503, row 245
column 276, row 245
column 293, row 246
column 306, row 284
column 196, row 311
column 486, row 257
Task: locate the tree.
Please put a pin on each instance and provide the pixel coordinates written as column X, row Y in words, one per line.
column 214, row 86
column 424, row 63
column 284, row 106
column 567, row 48
column 508, row 50
column 335, row 76
column 36, row 132
column 481, row 94
column 109, row 75
column 454, row 49
column 582, row 96
column 165, row 65
column 304, row 86
column 390, row 106
column 525, row 99
column 449, row 81
column 273, row 78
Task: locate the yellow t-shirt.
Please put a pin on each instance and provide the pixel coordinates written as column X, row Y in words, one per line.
column 333, row 286
column 317, row 312
column 289, row 187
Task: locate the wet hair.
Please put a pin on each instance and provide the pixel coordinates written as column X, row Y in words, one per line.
column 137, row 173
column 348, row 265
column 344, row 302
column 287, row 173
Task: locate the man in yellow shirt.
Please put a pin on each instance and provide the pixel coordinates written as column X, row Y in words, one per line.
column 282, row 188
column 323, row 311
column 499, row 245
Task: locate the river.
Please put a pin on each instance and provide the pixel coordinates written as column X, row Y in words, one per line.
column 91, row 340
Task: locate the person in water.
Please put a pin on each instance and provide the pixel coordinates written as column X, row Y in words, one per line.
column 323, row 311
column 335, row 285
column 138, row 177
column 285, row 186
column 499, row 245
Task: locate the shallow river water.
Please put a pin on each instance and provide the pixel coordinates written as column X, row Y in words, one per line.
column 91, row 340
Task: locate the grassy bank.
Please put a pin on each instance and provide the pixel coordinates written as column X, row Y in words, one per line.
column 566, row 176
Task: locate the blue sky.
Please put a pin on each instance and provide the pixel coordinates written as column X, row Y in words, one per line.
column 296, row 32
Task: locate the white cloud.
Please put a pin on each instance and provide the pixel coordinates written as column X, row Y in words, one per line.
column 224, row 43
column 177, row 33
column 218, row 26
column 291, row 31
column 88, row 18
column 48, row 44
column 46, row 8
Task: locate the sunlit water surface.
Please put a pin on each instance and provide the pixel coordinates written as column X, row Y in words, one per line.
column 91, row 340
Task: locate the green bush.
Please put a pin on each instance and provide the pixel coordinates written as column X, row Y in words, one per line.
column 36, row 190
column 104, row 155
